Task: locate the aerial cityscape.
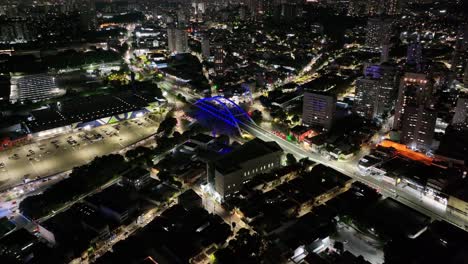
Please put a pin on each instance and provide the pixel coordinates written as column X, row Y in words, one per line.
column 234, row 131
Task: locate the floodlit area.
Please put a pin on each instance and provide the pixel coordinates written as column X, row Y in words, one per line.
column 61, row 153
column 360, row 244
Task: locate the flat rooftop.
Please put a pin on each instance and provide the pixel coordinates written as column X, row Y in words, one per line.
column 250, row 150
column 86, row 109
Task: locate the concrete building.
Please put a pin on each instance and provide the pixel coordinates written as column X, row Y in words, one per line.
column 393, row 7
column 318, row 110
column 366, row 92
column 378, row 32
column 232, row 170
column 88, row 18
column 375, row 91
column 414, row 56
column 415, row 89
column 177, row 39
column 219, row 59
column 461, row 111
column 205, row 46
column 418, row 126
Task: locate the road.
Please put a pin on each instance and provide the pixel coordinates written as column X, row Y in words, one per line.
column 404, row 195
column 360, row 244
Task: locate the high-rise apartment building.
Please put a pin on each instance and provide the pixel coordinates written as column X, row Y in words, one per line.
column 379, row 32
column 415, row 89
column 461, row 111
column 218, row 59
column 177, row 39
column 375, row 91
column 205, row 46
column 318, row 110
column 418, row 126
column 392, row 7
column 374, row 7
column 88, row 19
column 414, row 56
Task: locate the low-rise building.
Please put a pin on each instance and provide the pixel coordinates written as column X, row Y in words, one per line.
column 136, row 178
column 242, row 164
column 190, row 199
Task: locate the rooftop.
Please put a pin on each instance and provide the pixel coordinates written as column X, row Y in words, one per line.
column 86, row 109
column 250, row 150
column 202, row 138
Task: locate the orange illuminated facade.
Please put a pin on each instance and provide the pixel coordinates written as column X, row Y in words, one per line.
column 408, row 153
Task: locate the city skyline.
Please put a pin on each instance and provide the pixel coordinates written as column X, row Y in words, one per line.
column 233, row 131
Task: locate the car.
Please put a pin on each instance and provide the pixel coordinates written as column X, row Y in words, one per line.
column 2, row 165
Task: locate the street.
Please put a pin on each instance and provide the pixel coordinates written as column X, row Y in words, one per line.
column 409, row 198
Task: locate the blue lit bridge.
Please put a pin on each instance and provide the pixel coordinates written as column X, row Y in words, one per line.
column 225, row 110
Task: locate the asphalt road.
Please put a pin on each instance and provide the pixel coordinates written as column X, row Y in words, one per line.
column 408, row 197
column 405, row 196
column 42, row 158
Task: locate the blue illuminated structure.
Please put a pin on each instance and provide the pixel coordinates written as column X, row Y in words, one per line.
column 247, row 92
column 224, row 109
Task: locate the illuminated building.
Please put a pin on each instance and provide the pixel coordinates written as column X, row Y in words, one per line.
column 232, row 170
column 415, row 89
column 461, row 111
column 392, row 7
column 88, row 18
column 418, row 126
column 205, row 46
column 34, row 88
column 177, row 40
column 375, row 91
column 414, row 56
column 219, row 59
column 378, row 32
column 318, row 110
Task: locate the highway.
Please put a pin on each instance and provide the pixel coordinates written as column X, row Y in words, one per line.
column 406, row 196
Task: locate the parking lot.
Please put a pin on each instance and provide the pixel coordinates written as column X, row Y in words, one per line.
column 61, row 153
